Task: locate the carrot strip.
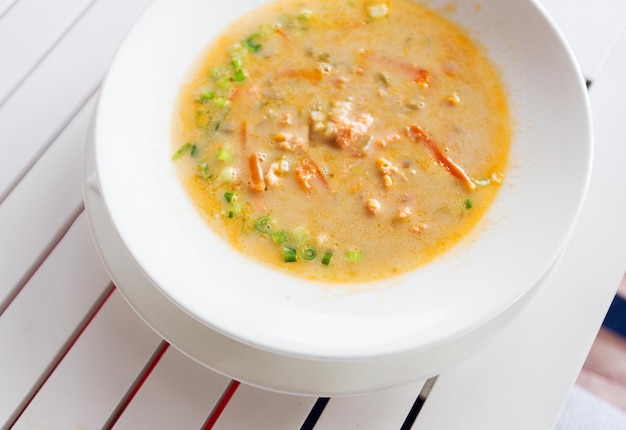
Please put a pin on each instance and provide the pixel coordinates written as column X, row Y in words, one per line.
column 416, row 132
column 257, row 182
column 281, row 33
column 318, row 171
column 314, row 75
column 418, row 75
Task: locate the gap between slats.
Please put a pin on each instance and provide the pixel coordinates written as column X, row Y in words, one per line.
column 6, row 6
column 318, row 408
column 9, row 93
column 61, row 354
column 53, row 136
column 136, row 385
column 40, row 259
column 221, row 404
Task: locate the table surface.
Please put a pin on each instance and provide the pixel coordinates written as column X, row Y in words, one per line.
column 74, row 355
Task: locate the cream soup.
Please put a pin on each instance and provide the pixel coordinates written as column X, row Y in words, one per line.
column 343, row 141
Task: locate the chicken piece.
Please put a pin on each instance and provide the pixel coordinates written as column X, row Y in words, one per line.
column 338, row 127
column 349, row 132
column 278, row 169
column 404, row 213
column 373, row 206
column 386, row 140
column 417, row 229
column 386, row 169
column 306, row 174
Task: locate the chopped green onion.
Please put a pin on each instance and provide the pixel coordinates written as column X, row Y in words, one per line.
column 229, row 196
column 301, row 235
column 217, row 73
column 224, row 155
column 468, row 204
column 252, row 43
column 204, row 168
column 221, row 102
column 187, row 147
column 354, row 255
column 224, row 83
column 239, row 76
column 289, row 255
column 231, row 214
column 326, row 258
column 264, row 224
column 482, row 182
column 237, row 63
column 207, row 95
column 238, row 50
column 280, row 237
column 227, row 175
column 307, row 252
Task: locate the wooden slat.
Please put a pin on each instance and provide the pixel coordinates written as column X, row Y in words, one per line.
column 387, row 409
column 252, row 408
column 40, row 322
column 61, row 84
column 96, row 373
column 592, row 28
column 179, row 393
column 549, row 350
column 30, row 220
column 21, row 46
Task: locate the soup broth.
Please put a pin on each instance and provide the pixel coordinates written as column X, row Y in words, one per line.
column 343, row 141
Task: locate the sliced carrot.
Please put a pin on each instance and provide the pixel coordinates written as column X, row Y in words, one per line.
column 416, row 132
column 314, row 75
column 280, row 31
column 257, row 182
column 417, row 74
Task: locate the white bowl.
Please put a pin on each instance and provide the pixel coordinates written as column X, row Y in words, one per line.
column 477, row 281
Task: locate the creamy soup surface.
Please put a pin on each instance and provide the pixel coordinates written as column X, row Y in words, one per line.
column 343, row 141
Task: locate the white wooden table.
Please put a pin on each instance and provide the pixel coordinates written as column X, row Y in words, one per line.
column 73, row 355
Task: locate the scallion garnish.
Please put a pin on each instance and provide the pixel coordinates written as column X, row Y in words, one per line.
column 280, row 237
column 264, row 224
column 300, row 234
column 204, row 168
column 224, row 155
column 482, row 182
column 229, row 196
column 289, row 254
column 221, row 102
column 326, row 258
column 239, row 76
column 354, row 255
column 468, row 204
column 187, row 147
column 237, row 63
column 252, row 43
column 207, row 95
column 217, row 73
column 307, row 252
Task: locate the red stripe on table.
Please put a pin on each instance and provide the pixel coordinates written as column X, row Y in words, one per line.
column 62, row 353
column 134, row 389
column 221, row 405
